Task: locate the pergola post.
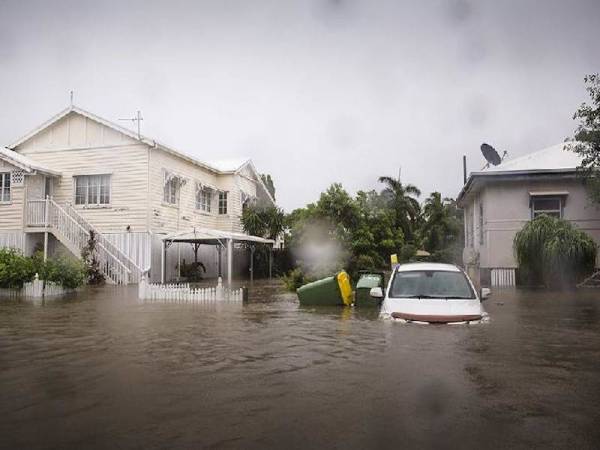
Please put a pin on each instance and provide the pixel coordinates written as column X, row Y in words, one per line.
column 163, row 262
column 229, row 261
column 219, row 260
column 252, row 249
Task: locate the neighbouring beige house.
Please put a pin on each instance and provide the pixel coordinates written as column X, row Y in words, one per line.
column 499, row 200
column 78, row 172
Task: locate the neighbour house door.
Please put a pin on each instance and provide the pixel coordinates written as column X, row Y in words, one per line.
column 47, row 187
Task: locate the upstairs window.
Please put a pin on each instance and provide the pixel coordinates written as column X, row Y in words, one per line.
column 551, row 206
column 92, row 190
column 222, row 202
column 5, row 187
column 170, row 189
column 204, row 199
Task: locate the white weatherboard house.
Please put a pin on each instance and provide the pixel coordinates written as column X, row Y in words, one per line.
column 500, row 200
column 78, row 172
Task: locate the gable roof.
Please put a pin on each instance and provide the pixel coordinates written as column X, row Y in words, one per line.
column 556, row 159
column 25, row 163
column 133, row 135
column 232, row 166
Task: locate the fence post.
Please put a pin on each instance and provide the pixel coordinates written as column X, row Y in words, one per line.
column 46, row 210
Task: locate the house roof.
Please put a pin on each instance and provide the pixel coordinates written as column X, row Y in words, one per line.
column 218, row 167
column 25, row 163
column 133, row 135
column 556, row 159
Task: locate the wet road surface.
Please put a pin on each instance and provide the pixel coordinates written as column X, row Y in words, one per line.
column 100, row 370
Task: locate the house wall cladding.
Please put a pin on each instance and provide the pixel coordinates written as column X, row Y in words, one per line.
column 507, row 210
column 76, row 145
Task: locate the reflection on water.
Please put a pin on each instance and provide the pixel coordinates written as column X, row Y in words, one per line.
column 101, row 370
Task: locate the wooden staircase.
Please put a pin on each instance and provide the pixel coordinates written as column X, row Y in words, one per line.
column 74, row 232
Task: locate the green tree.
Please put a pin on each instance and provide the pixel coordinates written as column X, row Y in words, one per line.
column 401, row 199
column 268, row 181
column 587, row 137
column 552, row 252
column 267, row 222
column 440, row 227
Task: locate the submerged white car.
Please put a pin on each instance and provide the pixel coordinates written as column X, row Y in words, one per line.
column 432, row 293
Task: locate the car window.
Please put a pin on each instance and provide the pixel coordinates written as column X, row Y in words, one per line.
column 431, row 284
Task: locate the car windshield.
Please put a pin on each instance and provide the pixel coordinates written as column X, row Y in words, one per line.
column 431, row 284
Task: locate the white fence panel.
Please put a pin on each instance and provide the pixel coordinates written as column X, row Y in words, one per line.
column 183, row 293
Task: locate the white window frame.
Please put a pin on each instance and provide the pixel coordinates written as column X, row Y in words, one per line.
column 5, row 184
column 204, row 197
column 223, row 203
column 98, row 203
column 551, row 212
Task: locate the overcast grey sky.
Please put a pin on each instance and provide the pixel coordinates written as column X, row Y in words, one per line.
column 314, row 91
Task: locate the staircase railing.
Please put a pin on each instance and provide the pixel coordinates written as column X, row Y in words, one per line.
column 65, row 226
column 134, row 269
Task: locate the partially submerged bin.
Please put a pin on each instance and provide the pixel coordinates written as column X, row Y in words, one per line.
column 330, row 291
column 367, row 281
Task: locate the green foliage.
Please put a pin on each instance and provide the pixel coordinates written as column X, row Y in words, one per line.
column 267, row 222
column 552, row 252
column 296, row 278
column 587, row 137
column 401, row 200
column 442, row 228
column 91, row 263
column 67, row 272
column 15, row 269
column 268, row 181
column 193, row 271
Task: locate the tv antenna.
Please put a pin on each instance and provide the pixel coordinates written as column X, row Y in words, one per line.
column 138, row 118
column 491, row 155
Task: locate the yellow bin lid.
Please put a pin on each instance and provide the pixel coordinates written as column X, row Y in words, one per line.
column 343, row 280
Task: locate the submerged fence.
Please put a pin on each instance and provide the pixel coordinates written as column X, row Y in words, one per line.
column 183, row 293
column 37, row 289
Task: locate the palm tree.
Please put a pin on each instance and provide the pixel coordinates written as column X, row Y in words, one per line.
column 401, row 199
column 440, row 222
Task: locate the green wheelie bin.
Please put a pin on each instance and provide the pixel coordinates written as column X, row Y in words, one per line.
column 366, row 281
column 330, row 291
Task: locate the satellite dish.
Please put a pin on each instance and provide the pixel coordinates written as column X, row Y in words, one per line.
column 490, row 154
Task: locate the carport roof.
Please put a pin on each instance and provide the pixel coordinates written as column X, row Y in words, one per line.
column 211, row 236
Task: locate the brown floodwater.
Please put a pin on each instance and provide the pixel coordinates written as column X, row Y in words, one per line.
column 101, row 370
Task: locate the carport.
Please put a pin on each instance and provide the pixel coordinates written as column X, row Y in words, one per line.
column 221, row 239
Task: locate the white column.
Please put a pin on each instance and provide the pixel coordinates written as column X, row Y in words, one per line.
column 229, row 261
column 163, row 262
column 46, row 211
column 252, row 248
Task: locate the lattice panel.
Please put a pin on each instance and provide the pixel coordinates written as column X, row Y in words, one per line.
column 17, row 177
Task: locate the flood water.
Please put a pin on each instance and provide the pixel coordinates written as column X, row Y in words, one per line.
column 100, row 370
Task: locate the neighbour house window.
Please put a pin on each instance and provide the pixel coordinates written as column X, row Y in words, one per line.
column 203, row 199
column 92, row 190
column 551, row 206
column 222, row 202
column 5, row 187
column 481, row 224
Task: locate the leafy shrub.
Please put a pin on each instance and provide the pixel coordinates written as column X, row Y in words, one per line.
column 193, row 271
column 296, row 278
column 67, row 272
column 552, row 252
column 15, row 269
column 91, row 263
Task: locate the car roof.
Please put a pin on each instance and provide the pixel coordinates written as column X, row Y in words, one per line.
column 427, row 266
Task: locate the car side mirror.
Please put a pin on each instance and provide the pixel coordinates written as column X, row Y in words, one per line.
column 376, row 292
column 485, row 293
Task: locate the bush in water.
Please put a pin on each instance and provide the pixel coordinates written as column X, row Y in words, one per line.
column 552, row 252
column 15, row 269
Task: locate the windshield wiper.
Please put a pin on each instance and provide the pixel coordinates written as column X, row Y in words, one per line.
column 455, row 297
column 417, row 296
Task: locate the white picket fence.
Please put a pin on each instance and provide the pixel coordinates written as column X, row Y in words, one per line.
column 183, row 293
column 37, row 289
column 503, row 277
